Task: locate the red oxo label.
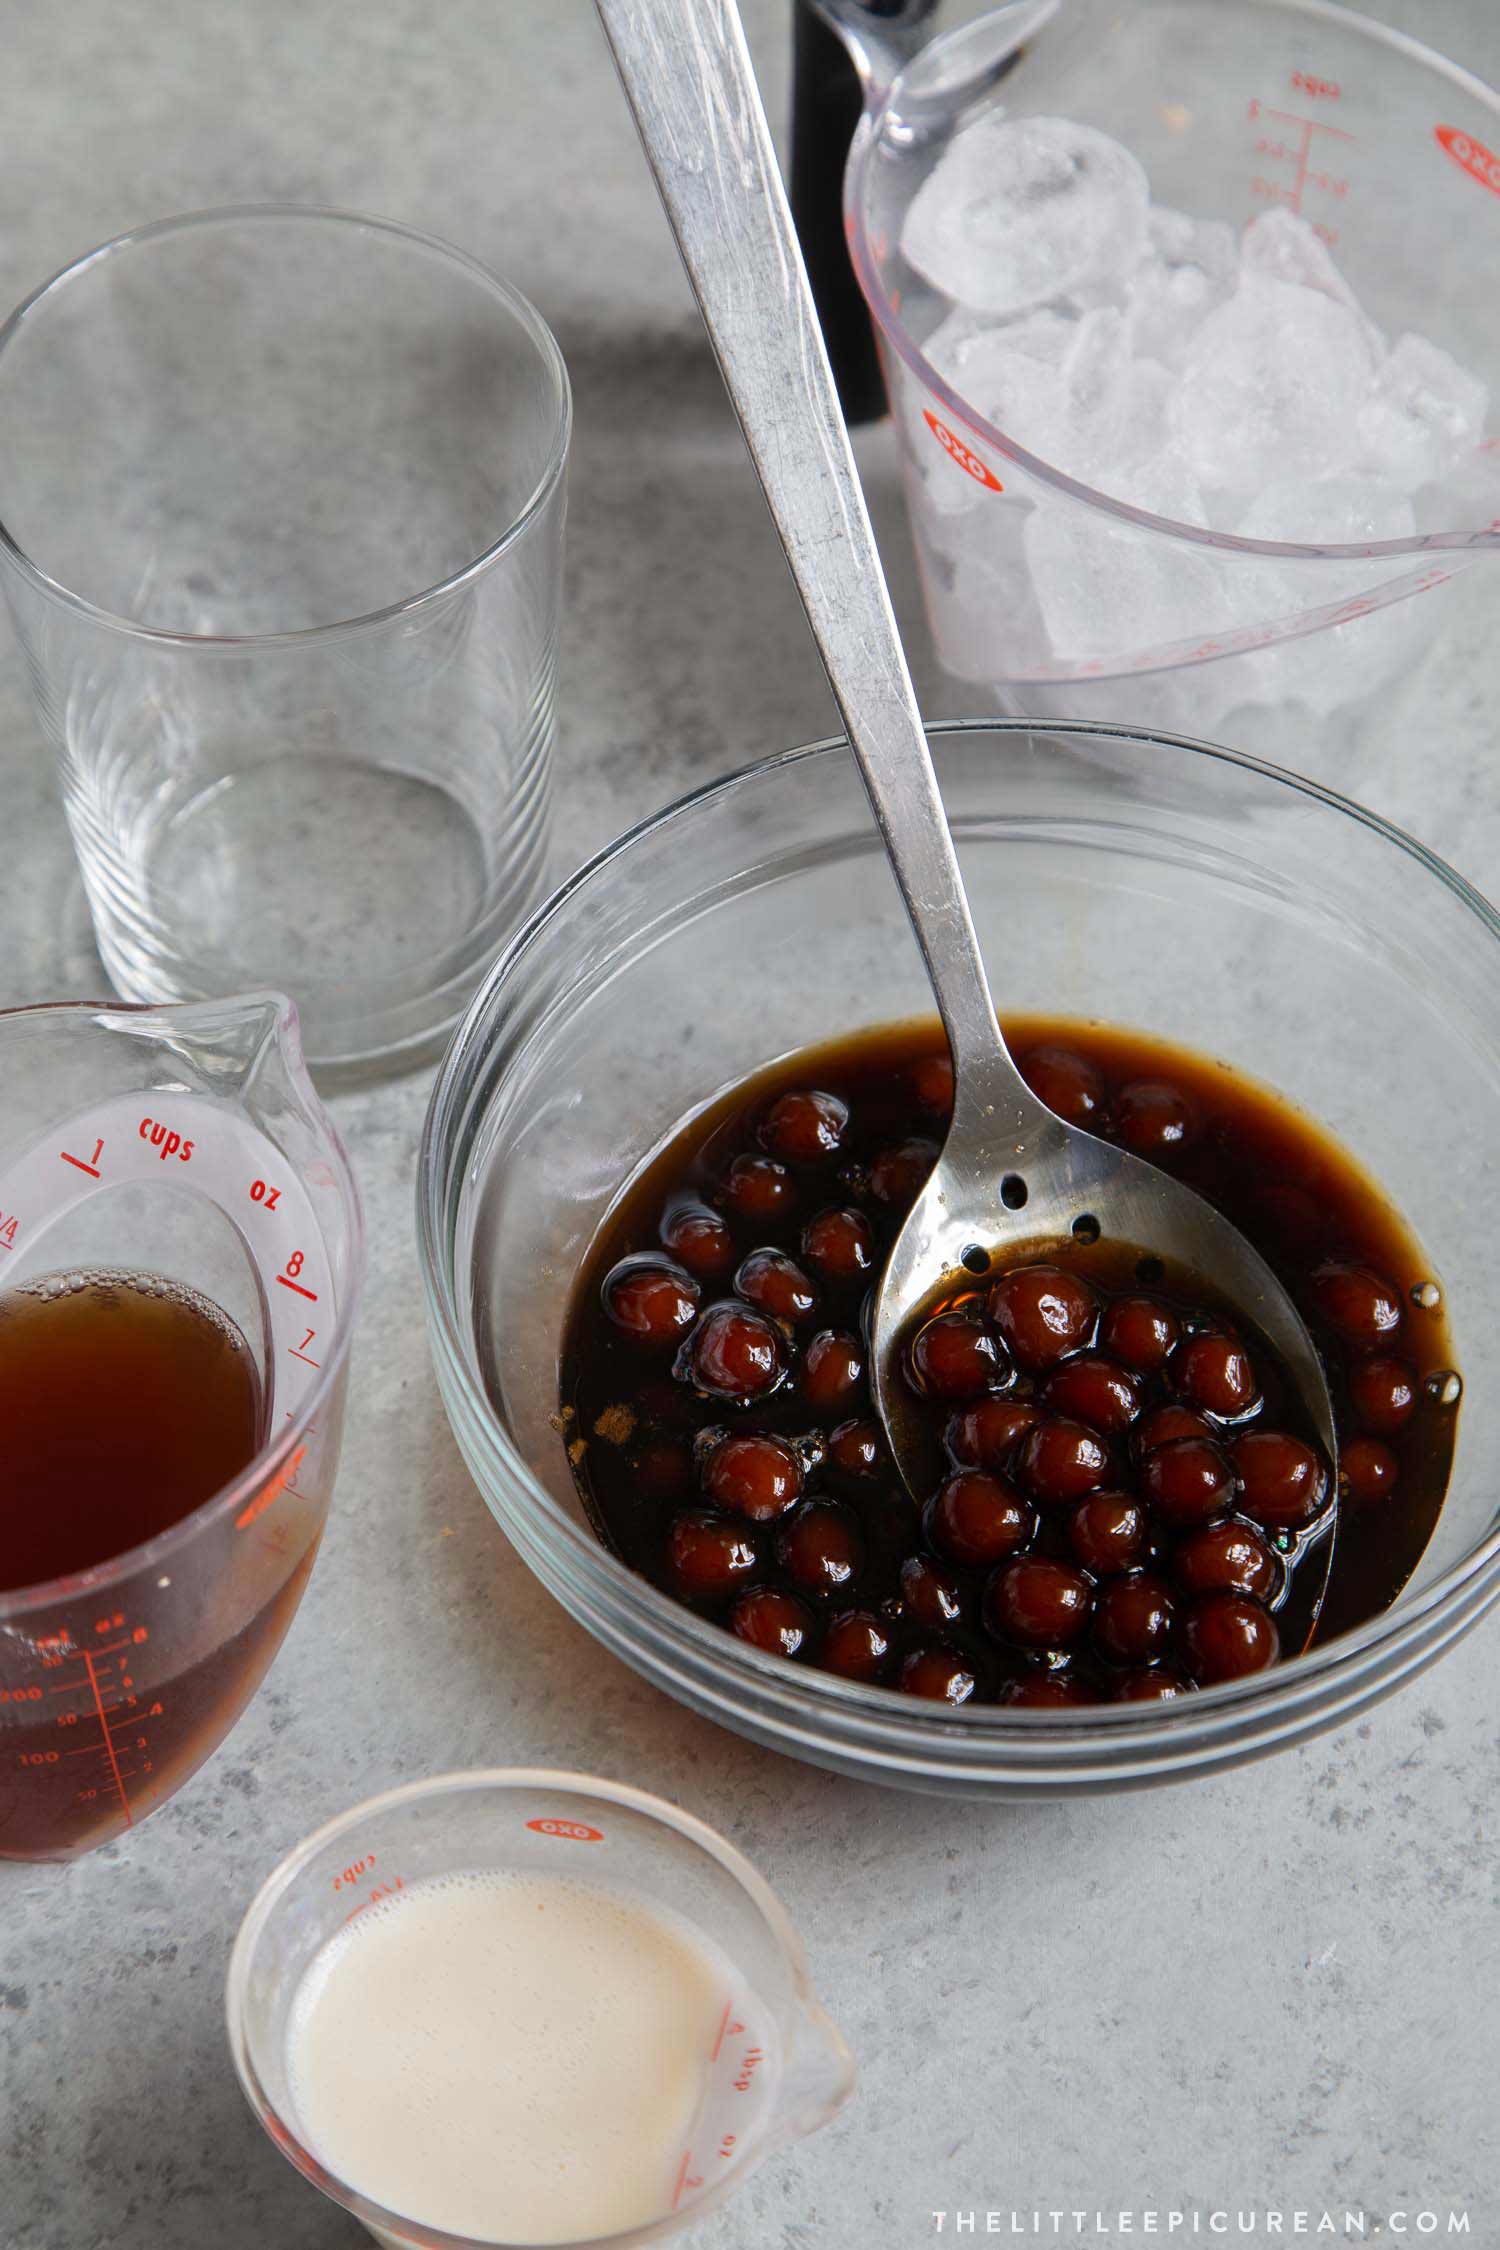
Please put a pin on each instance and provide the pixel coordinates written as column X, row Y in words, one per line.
column 1481, row 163
column 576, row 1830
column 969, row 462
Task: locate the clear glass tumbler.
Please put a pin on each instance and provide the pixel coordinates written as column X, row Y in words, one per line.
column 281, row 515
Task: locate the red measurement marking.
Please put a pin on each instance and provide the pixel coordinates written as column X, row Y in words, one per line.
column 303, row 1357
column 114, row 1763
column 687, row 2158
column 1471, row 156
column 1302, row 152
column 270, row 1490
column 91, row 1169
column 310, row 1294
column 723, row 2027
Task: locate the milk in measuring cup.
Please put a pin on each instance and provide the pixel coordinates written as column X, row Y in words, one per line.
column 524, row 2058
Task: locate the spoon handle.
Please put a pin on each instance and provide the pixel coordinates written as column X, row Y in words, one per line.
column 688, row 78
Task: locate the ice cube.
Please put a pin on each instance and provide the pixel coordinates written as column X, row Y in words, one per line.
column 1018, row 211
column 1338, row 511
column 1281, row 245
column 1423, row 416
column 1192, row 265
column 1110, row 591
column 1271, row 388
column 985, row 621
column 1012, row 375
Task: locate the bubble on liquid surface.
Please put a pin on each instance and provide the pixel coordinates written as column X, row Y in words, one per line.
column 107, row 1280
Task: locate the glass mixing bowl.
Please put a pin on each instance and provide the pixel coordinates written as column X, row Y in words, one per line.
column 1149, row 881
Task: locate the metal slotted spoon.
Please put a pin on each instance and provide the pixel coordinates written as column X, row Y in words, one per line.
column 1011, row 1176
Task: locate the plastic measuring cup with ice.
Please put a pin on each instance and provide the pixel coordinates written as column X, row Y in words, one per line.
column 526, row 2007
column 1190, row 317
column 167, row 1160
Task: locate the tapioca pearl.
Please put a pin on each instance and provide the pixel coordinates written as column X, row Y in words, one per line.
column 700, row 1240
column 1042, row 1314
column 1107, row 1533
column 776, row 1284
column 857, row 1645
column 975, row 1519
column 1036, row 1602
column 651, row 1300
column 857, row 1449
column 821, row 1549
column 804, row 1127
column 1165, row 1425
column 755, row 1475
column 930, row 1594
column 1187, row 1482
column 839, row 1245
column 940, row 1674
column 774, row 1621
column 1225, row 1558
column 1358, row 1304
column 985, row 1434
column 1068, row 1083
column 710, row 1556
column 1368, row 1471
column 899, row 1173
column 955, row 1357
column 1139, row 1332
column 1383, row 1393
column 1214, row 1373
column 1096, row 1390
column 1132, row 1621
column 1283, row 1482
column 759, row 1190
column 932, row 1084
column 1227, row 1637
column 1155, row 1120
column 734, row 1354
column 831, row 1378
column 1060, row 1461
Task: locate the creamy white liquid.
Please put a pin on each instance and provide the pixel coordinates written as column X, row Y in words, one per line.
column 514, row 2057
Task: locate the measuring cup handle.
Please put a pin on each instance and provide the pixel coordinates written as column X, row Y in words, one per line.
column 844, row 55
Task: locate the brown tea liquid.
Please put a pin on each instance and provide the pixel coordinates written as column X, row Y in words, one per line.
column 126, row 1401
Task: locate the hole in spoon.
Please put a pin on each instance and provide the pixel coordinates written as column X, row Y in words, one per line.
column 1086, row 1228
column 1013, row 1191
column 1150, row 1270
column 975, row 1259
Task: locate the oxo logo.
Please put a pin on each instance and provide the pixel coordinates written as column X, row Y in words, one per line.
column 967, row 460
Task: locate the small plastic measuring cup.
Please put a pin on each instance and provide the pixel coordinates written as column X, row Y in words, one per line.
column 186, row 1142
column 1385, row 148
column 777, row 2070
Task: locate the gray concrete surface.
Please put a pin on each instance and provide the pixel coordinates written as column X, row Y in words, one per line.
column 1273, row 1990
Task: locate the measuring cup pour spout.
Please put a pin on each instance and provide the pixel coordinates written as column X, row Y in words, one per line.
column 818, row 2076
column 180, row 1152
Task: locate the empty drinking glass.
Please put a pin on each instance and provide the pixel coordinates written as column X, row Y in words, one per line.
column 281, row 512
